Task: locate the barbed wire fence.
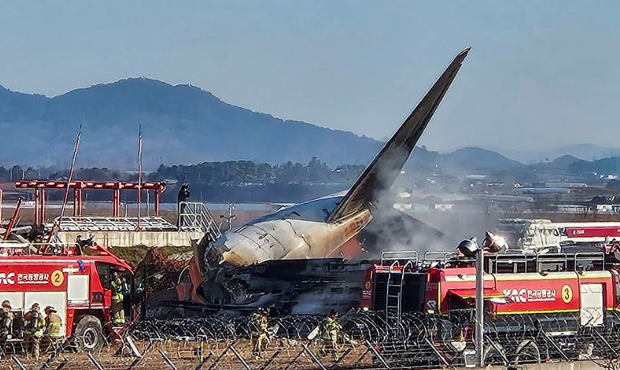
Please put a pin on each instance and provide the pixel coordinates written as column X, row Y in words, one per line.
column 418, row 340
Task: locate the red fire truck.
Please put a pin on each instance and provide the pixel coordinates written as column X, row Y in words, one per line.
column 75, row 280
column 579, row 288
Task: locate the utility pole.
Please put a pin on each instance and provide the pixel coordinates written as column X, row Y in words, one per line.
column 479, row 332
column 139, row 173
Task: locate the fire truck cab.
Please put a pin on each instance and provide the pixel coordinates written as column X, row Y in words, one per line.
column 75, row 280
column 536, row 306
column 580, row 288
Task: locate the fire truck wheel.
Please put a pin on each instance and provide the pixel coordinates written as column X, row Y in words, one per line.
column 89, row 334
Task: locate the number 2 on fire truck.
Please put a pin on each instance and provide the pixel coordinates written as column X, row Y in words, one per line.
column 57, row 278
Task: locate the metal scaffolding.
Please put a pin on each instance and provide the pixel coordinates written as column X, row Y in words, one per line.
column 40, row 187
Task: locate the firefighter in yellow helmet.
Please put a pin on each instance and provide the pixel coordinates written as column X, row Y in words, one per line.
column 53, row 328
column 6, row 324
column 259, row 330
column 330, row 328
column 118, row 297
column 34, row 325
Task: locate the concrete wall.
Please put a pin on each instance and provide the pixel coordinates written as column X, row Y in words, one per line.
column 133, row 238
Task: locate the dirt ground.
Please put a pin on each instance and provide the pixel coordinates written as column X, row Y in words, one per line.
column 280, row 354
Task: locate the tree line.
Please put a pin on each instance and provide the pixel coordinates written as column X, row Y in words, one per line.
column 229, row 173
column 230, row 181
column 244, row 173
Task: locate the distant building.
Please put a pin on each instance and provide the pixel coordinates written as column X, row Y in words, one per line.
column 572, row 208
column 566, row 185
column 443, row 206
column 607, row 208
column 543, row 190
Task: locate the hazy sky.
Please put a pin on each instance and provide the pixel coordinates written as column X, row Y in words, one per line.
column 541, row 73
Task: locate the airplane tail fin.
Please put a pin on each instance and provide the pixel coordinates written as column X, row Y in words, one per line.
column 384, row 169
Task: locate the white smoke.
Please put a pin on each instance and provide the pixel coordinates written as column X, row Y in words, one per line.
column 422, row 231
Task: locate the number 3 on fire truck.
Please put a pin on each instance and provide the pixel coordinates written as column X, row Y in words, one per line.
column 567, row 293
column 57, row 278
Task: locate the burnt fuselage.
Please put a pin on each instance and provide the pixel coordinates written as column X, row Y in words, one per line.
column 295, row 232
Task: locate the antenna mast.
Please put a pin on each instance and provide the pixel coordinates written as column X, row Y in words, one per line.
column 70, row 177
column 139, row 174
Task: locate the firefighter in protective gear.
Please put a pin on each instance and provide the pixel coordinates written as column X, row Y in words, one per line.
column 259, row 330
column 34, row 327
column 330, row 328
column 118, row 297
column 6, row 324
column 53, row 328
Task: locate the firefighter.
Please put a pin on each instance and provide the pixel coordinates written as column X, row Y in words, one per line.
column 35, row 325
column 53, row 328
column 330, row 329
column 259, row 330
column 6, row 324
column 118, row 298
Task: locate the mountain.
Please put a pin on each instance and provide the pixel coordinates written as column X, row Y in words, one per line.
column 587, row 152
column 602, row 167
column 558, row 165
column 181, row 124
column 465, row 161
column 480, row 159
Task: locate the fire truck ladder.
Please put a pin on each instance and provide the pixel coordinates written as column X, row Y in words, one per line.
column 394, row 293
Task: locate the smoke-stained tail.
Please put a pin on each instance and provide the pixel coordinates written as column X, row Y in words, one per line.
column 383, row 170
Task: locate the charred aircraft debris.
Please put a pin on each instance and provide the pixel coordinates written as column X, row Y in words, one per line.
column 302, row 256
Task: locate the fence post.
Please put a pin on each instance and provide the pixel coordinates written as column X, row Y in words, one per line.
column 245, row 364
column 344, row 355
column 139, row 359
column 55, row 353
column 313, row 356
column 609, row 347
column 203, row 361
column 19, row 363
column 94, row 361
column 555, row 345
column 294, row 359
column 62, row 364
column 132, row 346
column 357, row 362
column 376, row 353
column 436, row 352
column 167, row 360
column 220, row 357
column 499, row 351
column 273, row 357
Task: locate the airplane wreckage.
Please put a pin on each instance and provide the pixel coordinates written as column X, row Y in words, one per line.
column 310, row 257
